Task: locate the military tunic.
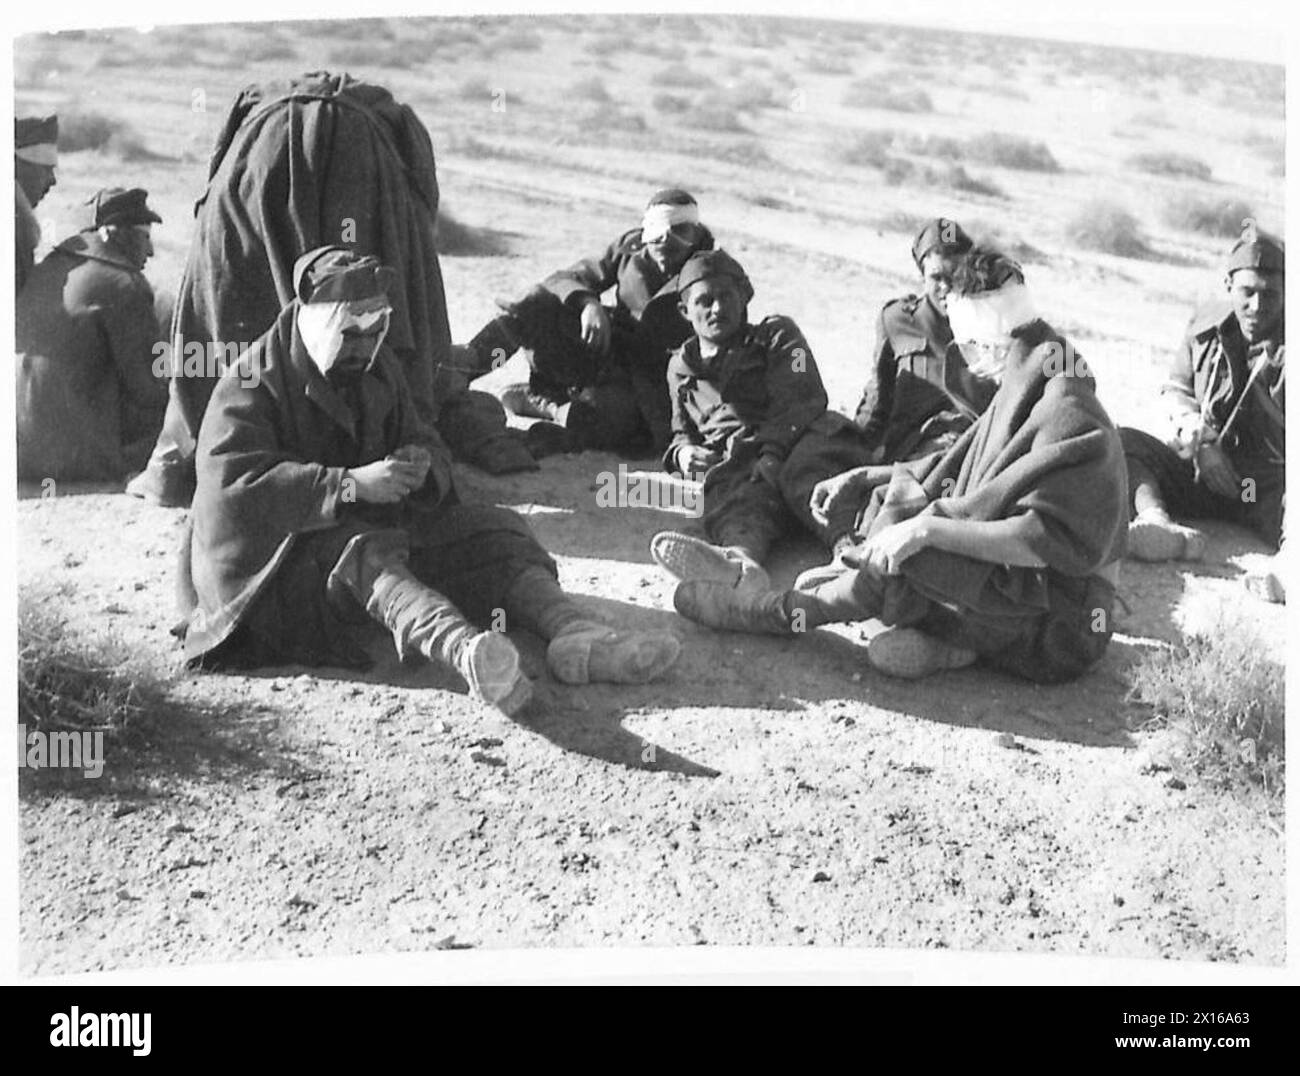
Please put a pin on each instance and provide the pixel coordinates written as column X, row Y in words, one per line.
column 762, row 394
column 920, row 395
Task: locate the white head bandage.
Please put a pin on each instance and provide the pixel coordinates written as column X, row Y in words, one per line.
column 321, row 326
column 660, row 218
column 988, row 317
column 46, row 153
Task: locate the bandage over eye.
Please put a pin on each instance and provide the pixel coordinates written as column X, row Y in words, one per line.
column 662, row 218
column 989, row 317
column 322, row 327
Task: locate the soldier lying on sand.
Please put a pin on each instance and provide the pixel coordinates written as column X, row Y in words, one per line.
column 1226, row 456
column 1003, row 549
column 323, row 498
column 749, row 414
column 597, row 372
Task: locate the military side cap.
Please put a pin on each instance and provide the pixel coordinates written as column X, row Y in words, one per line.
column 35, row 131
column 117, row 205
column 339, row 275
column 36, row 140
column 706, row 263
column 941, row 234
column 671, row 196
column 1257, row 250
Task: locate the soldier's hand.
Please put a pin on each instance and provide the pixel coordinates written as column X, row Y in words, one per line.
column 595, row 327
column 416, row 455
column 834, row 494
column 1217, row 472
column 888, row 549
column 765, row 469
column 694, row 459
column 386, row 481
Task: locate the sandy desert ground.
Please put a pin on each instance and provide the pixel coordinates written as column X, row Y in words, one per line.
column 766, row 792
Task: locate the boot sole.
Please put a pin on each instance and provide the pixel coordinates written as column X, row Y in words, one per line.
column 494, row 674
column 911, row 654
column 634, row 659
column 690, row 559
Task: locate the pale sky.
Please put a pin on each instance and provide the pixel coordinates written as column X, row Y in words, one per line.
column 1243, row 30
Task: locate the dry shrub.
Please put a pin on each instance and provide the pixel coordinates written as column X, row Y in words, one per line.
column 1162, row 163
column 81, row 131
column 70, row 683
column 1107, row 227
column 1224, row 693
column 681, row 77
column 874, row 93
column 1011, row 151
column 1218, row 217
column 608, row 116
column 454, row 238
column 670, row 103
column 712, row 117
column 590, row 89
column 867, row 149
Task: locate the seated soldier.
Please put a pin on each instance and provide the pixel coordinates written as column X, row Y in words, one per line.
column 324, row 498
column 921, row 394
column 89, row 404
column 36, row 155
column 1005, row 548
column 1226, row 458
column 596, row 372
column 749, row 413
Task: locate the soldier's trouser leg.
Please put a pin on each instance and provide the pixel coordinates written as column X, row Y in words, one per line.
column 1263, row 503
column 830, row 446
column 169, row 479
column 607, row 417
column 497, row 341
column 742, row 513
column 474, row 426
column 375, row 570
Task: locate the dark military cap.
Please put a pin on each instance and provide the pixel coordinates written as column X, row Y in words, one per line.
column 941, row 234
column 36, row 131
column 1257, row 250
column 706, row 263
column 116, row 205
column 671, row 196
column 339, row 275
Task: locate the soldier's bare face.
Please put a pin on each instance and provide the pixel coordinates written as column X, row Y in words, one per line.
column 136, row 242
column 1259, row 300
column 715, row 308
column 936, row 278
column 670, row 252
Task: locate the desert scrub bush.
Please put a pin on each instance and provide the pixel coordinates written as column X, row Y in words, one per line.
column 1218, row 217
column 1010, row 151
column 867, row 149
column 670, row 103
column 81, row 131
column 932, row 146
column 1161, row 163
column 607, row 116
column 747, row 95
column 474, row 88
column 1224, row 693
column 590, row 89
column 1108, row 228
column 681, row 77
column 750, row 154
column 873, row 93
column 458, row 239
column 518, row 39
column 70, row 683
column 711, row 117
column 956, row 178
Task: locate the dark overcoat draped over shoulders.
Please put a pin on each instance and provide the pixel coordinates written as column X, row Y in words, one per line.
column 321, row 159
column 272, row 508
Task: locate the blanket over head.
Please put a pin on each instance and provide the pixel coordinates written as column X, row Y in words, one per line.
column 1045, row 445
column 317, row 160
